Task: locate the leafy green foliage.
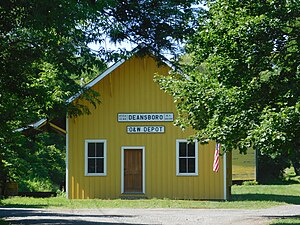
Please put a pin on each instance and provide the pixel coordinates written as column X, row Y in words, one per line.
column 38, row 164
column 43, row 44
column 159, row 24
column 243, row 84
column 44, row 53
column 3, row 222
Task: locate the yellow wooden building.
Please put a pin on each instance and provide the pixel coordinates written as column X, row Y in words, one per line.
column 129, row 147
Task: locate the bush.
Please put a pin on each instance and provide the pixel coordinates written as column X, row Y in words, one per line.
column 290, row 175
column 39, row 164
column 270, row 169
column 250, row 182
column 37, row 185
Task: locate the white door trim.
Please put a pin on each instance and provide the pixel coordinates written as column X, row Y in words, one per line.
column 123, row 148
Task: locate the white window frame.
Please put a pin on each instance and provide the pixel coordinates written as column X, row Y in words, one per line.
column 177, row 158
column 104, row 156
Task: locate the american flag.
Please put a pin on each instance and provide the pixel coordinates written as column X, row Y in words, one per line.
column 216, row 164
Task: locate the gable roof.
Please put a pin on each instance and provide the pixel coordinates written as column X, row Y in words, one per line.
column 58, row 125
column 42, row 123
column 34, row 126
column 134, row 52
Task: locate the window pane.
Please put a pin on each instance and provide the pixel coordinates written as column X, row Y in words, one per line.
column 100, row 166
column 91, row 165
column 191, row 166
column 91, row 149
column 182, row 165
column 182, row 149
column 99, row 149
column 191, row 149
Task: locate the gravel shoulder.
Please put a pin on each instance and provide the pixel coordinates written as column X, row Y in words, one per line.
column 147, row 216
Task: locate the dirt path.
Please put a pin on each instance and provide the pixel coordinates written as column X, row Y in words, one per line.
column 147, row 216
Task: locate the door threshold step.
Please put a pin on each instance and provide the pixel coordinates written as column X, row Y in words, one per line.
column 133, row 197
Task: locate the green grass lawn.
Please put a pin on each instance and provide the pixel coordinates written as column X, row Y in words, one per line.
column 3, row 222
column 293, row 221
column 244, row 197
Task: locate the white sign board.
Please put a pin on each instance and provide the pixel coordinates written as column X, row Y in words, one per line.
column 145, row 117
column 145, row 129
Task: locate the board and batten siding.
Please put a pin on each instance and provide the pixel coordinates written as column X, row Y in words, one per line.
column 130, row 89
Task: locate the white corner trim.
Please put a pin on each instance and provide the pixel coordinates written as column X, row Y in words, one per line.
column 67, row 157
column 225, row 175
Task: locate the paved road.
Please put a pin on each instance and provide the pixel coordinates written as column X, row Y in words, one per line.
column 147, row 216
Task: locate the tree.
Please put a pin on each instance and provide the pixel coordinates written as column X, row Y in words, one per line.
column 44, row 51
column 243, row 83
column 159, row 24
column 37, row 163
column 42, row 46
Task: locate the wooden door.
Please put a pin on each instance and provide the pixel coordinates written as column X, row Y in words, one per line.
column 133, row 171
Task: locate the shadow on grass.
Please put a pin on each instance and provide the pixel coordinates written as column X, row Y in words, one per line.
column 285, row 220
column 280, row 181
column 23, row 206
column 287, row 223
column 290, row 199
column 284, row 217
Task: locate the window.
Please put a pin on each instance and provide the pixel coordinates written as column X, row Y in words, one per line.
column 95, row 157
column 186, row 158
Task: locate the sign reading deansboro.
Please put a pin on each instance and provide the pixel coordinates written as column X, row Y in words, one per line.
column 145, row 129
column 145, row 117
